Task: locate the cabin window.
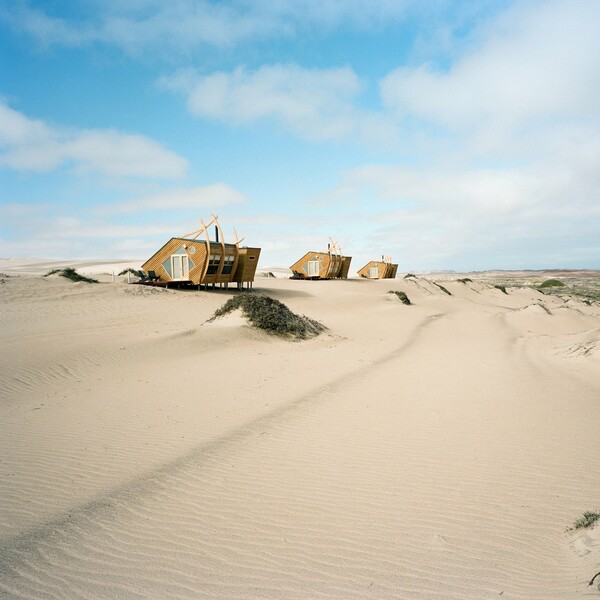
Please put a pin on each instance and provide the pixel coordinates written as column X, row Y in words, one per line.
column 228, row 264
column 312, row 268
column 213, row 264
column 374, row 272
column 167, row 267
column 332, row 266
column 192, row 250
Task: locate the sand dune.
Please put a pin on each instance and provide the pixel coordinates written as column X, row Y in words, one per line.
column 438, row 450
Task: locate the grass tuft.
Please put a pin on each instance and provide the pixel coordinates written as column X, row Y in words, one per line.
column 551, row 283
column 502, row 288
column 442, row 288
column 135, row 272
column 272, row 316
column 465, row 280
column 403, row 297
column 72, row 274
column 409, row 275
column 587, row 519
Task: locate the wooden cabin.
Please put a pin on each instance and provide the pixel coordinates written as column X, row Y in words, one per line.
column 322, row 265
column 379, row 269
column 191, row 260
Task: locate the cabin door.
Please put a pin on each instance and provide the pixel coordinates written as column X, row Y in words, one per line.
column 313, row 268
column 180, row 267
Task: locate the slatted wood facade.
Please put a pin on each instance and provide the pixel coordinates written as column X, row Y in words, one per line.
column 194, row 250
column 203, row 262
column 346, row 260
column 246, row 267
column 379, row 269
column 321, row 265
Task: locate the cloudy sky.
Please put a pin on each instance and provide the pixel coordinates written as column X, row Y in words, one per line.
column 447, row 134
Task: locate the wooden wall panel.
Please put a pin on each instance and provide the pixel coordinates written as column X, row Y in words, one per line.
column 247, row 264
column 155, row 263
column 345, row 268
column 325, row 259
column 216, row 249
column 385, row 270
column 297, row 267
column 200, row 257
column 364, row 272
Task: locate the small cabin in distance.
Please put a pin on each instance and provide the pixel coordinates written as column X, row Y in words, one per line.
column 379, row 269
column 322, row 265
column 191, row 260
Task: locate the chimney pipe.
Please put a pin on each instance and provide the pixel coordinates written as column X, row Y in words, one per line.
column 216, row 234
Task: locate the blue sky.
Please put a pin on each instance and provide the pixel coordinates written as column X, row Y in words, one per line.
column 449, row 135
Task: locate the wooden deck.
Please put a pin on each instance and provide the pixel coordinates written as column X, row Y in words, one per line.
column 190, row 285
column 165, row 284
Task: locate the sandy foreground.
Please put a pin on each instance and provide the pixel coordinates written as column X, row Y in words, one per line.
column 437, row 451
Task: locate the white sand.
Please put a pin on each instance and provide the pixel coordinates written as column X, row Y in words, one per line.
column 438, row 450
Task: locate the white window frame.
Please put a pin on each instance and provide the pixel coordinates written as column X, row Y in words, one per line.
column 310, row 267
column 184, row 267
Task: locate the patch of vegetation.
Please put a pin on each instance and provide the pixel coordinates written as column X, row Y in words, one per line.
column 442, row 288
column 409, row 275
column 551, row 283
column 465, row 280
column 135, row 272
column 587, row 519
column 546, row 309
column 72, row 274
column 501, row 288
column 403, row 297
column 582, row 285
column 271, row 316
column 588, row 295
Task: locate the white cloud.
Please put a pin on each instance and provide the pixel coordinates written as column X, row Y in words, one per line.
column 80, row 229
column 31, row 145
column 45, row 29
column 488, row 191
column 44, row 234
column 507, row 136
column 537, row 61
column 205, row 197
column 16, row 129
column 182, row 25
column 115, row 153
column 318, row 104
column 435, row 217
column 507, row 139
column 25, row 143
column 110, row 229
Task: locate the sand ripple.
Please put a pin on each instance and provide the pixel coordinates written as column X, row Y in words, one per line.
column 445, row 463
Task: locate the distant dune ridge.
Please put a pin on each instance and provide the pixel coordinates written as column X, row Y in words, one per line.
column 437, row 450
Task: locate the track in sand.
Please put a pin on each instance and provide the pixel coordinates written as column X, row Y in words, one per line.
column 439, row 453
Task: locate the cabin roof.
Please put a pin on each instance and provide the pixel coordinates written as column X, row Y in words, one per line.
column 201, row 241
column 322, row 253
